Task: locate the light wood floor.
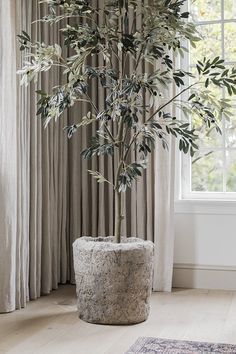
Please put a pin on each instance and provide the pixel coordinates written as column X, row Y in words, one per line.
column 51, row 325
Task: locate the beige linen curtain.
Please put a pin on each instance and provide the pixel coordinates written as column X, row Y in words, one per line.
column 9, row 257
column 163, row 231
column 34, row 230
column 14, row 166
column 47, row 198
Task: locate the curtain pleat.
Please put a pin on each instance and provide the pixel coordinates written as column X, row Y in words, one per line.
column 49, row 183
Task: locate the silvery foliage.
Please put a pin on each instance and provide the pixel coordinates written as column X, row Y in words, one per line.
column 116, row 39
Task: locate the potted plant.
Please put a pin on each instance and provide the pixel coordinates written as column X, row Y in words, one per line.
column 114, row 274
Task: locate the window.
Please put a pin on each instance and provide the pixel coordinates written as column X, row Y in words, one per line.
column 211, row 173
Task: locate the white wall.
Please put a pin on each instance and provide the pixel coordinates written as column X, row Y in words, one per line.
column 205, row 245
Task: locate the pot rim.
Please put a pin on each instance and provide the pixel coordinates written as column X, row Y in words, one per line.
column 106, row 243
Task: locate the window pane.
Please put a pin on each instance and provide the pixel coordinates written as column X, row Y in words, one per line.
column 208, row 137
column 230, row 35
column 230, row 130
column 230, row 9
column 210, row 46
column 204, row 10
column 231, row 171
column 207, row 172
column 226, row 93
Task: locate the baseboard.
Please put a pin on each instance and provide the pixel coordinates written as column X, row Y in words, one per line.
column 204, row 276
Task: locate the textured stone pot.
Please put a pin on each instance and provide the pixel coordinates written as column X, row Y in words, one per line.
column 113, row 281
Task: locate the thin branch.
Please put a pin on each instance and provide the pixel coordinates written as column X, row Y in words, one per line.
column 200, row 157
column 109, row 132
column 92, row 103
column 171, row 100
column 58, row 64
column 60, row 18
column 97, row 111
column 139, row 58
column 114, row 52
column 130, row 144
column 160, row 108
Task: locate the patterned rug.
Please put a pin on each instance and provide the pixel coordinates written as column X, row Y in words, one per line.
column 148, row 345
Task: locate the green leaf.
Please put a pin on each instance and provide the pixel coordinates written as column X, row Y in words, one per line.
column 26, row 35
column 99, row 177
column 185, row 15
column 198, row 69
column 191, row 96
column 41, row 93
column 207, row 82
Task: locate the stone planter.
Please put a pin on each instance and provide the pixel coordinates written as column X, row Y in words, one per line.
column 113, row 281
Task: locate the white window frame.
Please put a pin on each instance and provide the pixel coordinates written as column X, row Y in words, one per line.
column 183, row 184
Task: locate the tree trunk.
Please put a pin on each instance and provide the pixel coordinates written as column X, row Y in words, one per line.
column 118, row 215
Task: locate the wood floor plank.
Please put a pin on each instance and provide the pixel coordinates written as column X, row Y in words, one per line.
column 51, row 324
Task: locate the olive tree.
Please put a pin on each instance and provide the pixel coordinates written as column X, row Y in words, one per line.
column 161, row 33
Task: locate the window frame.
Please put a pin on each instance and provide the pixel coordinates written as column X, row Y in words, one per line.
column 184, row 178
